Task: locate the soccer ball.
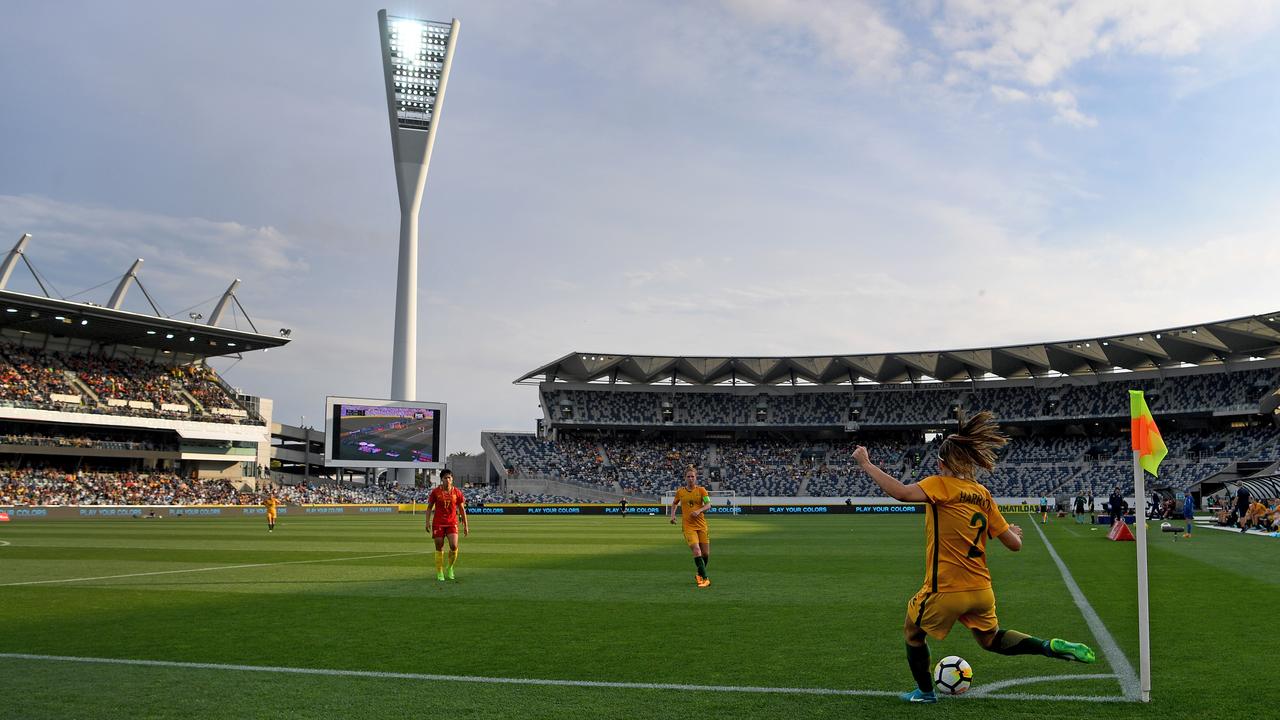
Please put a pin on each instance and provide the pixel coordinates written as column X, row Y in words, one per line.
column 952, row 675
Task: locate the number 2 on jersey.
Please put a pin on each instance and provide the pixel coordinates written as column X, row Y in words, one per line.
column 979, row 521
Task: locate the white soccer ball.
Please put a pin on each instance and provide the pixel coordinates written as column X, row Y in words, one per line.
column 952, row 675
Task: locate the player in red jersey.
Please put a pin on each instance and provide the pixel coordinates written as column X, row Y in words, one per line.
column 444, row 505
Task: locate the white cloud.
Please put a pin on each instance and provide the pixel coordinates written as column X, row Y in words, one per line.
column 1018, row 49
column 1064, row 104
column 93, row 240
column 851, row 33
column 1036, row 44
column 1008, row 94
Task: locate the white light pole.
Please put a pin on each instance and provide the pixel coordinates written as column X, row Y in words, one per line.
column 416, row 55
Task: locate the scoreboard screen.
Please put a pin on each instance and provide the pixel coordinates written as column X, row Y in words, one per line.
column 365, row 432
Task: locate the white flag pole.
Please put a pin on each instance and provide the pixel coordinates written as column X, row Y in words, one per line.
column 1144, row 614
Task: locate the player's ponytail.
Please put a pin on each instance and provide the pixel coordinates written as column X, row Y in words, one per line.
column 973, row 445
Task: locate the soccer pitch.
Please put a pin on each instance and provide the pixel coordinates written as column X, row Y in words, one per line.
column 555, row 617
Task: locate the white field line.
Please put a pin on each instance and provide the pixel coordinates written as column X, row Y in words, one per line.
column 1106, row 643
column 4, row 543
column 206, row 569
column 989, row 688
column 381, row 675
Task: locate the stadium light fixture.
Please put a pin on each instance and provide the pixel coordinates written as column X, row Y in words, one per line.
column 151, row 332
column 168, row 336
column 416, row 57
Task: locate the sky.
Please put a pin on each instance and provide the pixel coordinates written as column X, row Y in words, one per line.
column 735, row 177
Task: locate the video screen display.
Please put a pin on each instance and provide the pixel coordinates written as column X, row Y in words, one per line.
column 383, row 433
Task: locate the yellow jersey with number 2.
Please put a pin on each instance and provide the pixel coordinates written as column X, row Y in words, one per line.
column 959, row 519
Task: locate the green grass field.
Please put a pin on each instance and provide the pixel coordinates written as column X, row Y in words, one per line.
column 796, row 602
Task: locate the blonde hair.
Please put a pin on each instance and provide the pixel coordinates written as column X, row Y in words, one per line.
column 973, row 445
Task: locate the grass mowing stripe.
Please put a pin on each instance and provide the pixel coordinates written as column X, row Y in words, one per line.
column 749, row 689
column 1106, row 643
column 206, row 569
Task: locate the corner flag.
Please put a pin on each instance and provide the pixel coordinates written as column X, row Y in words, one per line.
column 1144, row 434
column 1148, row 451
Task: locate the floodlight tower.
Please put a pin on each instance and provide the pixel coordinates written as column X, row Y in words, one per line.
column 416, row 55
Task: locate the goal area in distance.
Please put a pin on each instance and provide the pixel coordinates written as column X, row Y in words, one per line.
column 725, row 502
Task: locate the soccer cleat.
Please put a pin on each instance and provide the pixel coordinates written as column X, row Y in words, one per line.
column 917, row 696
column 703, row 582
column 440, row 575
column 1072, row 651
column 449, row 573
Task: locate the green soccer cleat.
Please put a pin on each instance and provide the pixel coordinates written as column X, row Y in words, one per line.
column 440, row 576
column 449, row 573
column 916, row 696
column 1078, row 652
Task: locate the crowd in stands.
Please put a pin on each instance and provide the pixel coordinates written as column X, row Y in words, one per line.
column 102, row 442
column 23, row 376
column 58, row 487
column 1030, row 466
column 897, row 405
column 49, row 486
column 31, row 377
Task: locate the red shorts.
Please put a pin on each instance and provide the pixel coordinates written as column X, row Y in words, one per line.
column 439, row 531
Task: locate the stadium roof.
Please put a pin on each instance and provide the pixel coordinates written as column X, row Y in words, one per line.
column 20, row 312
column 1208, row 344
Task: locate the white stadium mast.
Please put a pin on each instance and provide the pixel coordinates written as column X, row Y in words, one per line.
column 416, row 55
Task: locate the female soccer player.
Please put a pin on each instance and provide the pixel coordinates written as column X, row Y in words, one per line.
column 271, row 503
column 960, row 516
column 444, row 505
column 695, row 500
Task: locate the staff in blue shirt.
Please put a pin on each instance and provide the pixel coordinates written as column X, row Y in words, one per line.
column 1188, row 512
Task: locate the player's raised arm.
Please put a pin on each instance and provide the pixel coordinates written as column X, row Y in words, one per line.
column 888, row 483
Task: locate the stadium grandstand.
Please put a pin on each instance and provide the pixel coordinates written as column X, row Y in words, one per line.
column 623, row 425
column 100, row 404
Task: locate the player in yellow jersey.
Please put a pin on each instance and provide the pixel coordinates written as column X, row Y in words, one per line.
column 693, row 501
column 960, row 516
column 271, row 503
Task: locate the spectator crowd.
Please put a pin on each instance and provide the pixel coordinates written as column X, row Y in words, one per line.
column 87, row 382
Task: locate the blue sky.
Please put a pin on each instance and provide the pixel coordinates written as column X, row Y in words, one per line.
column 739, row 177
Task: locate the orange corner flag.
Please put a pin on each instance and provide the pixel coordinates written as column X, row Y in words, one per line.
column 1144, row 434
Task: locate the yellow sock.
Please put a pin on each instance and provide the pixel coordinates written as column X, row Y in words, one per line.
column 453, row 557
column 439, row 561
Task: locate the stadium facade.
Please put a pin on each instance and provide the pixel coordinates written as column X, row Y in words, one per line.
column 86, row 386
column 621, row 424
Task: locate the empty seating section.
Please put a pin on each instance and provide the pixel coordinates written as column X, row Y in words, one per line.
column 78, row 382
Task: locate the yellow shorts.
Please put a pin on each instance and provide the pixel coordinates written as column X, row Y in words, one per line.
column 694, row 536
column 271, row 516
column 935, row 613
